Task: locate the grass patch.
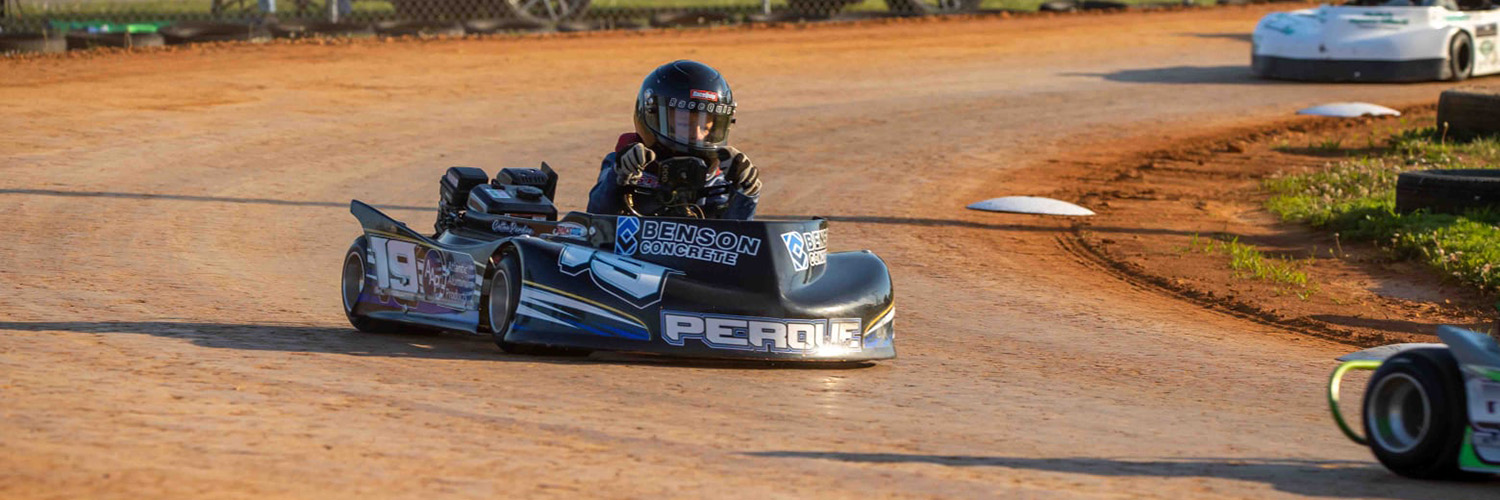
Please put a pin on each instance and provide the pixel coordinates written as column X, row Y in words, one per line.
column 1356, row 199
column 1249, row 262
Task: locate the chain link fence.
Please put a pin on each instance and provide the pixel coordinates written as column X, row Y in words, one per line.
column 276, row 17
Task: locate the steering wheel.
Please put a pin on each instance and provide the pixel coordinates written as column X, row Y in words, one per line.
column 671, row 187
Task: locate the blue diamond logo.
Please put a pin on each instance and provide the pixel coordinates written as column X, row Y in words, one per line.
column 626, row 229
column 796, row 248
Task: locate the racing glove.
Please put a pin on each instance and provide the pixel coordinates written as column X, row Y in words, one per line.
column 744, row 175
column 631, row 163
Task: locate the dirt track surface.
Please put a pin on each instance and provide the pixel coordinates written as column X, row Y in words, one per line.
column 174, row 223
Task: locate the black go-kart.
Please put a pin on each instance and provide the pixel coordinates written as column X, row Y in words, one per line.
column 666, row 280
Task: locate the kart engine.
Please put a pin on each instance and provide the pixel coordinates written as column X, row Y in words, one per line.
column 468, row 192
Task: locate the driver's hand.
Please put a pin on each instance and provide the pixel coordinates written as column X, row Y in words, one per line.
column 631, row 162
column 744, row 175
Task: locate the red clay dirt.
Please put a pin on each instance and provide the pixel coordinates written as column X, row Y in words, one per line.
column 174, row 222
column 1159, row 210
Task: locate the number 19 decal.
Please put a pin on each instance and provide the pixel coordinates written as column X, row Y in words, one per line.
column 638, row 283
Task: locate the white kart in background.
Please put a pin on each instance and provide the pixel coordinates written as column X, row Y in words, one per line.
column 1379, row 41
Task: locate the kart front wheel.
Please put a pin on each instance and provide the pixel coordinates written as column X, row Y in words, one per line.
column 498, row 303
column 1414, row 414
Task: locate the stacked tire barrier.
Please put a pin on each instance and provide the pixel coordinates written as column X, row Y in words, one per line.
column 45, row 43
column 1463, row 114
column 1448, row 191
column 1469, row 112
column 85, row 40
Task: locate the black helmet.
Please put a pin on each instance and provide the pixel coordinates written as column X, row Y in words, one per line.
column 686, row 108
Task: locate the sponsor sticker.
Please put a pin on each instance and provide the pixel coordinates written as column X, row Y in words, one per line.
column 638, row 283
column 648, row 180
column 569, row 230
column 1485, row 30
column 706, row 95
column 745, row 333
column 807, row 249
column 676, row 239
column 511, row 228
column 406, row 271
column 1378, row 19
column 1484, row 402
column 626, row 231
column 722, row 109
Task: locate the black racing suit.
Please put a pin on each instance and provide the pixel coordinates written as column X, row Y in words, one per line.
column 607, row 197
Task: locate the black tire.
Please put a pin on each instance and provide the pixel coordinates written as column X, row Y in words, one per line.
column 492, row 26
column 1460, row 57
column 929, row 7
column 575, row 26
column 1468, row 113
column 816, row 9
column 419, row 28
column 625, row 24
column 1058, row 6
column 306, row 29
column 39, row 43
column 1102, row 5
column 197, row 31
column 1447, row 191
column 1414, row 414
column 690, row 19
column 502, row 292
column 351, row 285
column 84, row 41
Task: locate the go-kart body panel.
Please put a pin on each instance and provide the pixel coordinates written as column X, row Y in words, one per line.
column 1355, row 43
column 671, row 286
column 1478, row 358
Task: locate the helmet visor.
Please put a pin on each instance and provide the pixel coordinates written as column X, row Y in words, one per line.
column 694, row 127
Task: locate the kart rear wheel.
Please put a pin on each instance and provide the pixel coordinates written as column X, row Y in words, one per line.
column 1460, row 57
column 1414, row 414
column 352, row 285
column 497, row 307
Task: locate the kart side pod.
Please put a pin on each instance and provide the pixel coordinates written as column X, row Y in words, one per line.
column 1430, row 411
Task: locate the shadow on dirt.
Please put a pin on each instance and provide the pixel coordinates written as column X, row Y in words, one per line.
column 923, row 222
column 1330, row 478
column 1331, row 150
column 1394, row 325
column 332, row 340
column 1236, row 74
column 1240, row 37
column 209, row 199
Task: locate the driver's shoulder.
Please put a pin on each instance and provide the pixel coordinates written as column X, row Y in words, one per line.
column 626, row 140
